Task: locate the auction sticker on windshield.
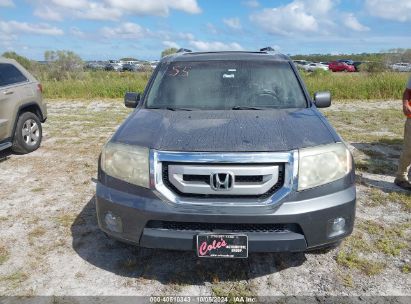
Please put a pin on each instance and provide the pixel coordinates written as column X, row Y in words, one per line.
column 222, row 245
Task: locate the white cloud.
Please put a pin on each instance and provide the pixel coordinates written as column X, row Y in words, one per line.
column 126, row 30
column 188, row 40
column 287, row 19
column 110, row 9
column 48, row 13
column 75, row 31
column 351, row 22
column 188, row 6
column 97, row 11
column 6, row 38
column 320, row 7
column 171, row 44
column 6, row 3
column 185, row 36
column 14, row 27
column 304, row 17
column 399, row 10
column 157, row 8
column 251, row 3
column 233, row 23
column 205, row 46
column 212, row 29
column 73, row 4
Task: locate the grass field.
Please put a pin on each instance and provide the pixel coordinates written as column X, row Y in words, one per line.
column 99, row 84
column 343, row 86
column 385, row 85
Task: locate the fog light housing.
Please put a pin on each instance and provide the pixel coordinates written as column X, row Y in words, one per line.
column 113, row 223
column 336, row 227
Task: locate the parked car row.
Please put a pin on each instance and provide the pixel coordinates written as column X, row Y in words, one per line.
column 312, row 66
column 118, row 66
column 341, row 65
column 401, row 67
column 345, row 65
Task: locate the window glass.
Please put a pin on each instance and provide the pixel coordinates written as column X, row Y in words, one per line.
column 9, row 74
column 223, row 85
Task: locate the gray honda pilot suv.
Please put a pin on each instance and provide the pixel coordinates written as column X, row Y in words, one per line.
column 225, row 154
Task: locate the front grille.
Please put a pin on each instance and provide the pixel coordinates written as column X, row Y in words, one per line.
column 215, row 227
column 196, row 178
column 238, row 179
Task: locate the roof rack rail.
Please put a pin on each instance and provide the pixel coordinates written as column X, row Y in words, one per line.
column 267, row 49
column 183, row 50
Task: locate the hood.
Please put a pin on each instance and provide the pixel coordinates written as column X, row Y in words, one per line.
column 226, row 131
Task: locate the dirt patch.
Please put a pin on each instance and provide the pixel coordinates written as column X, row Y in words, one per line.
column 50, row 243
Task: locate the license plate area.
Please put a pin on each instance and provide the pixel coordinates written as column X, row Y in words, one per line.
column 227, row 245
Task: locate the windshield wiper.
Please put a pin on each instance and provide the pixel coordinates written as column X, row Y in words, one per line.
column 179, row 109
column 171, row 108
column 245, row 108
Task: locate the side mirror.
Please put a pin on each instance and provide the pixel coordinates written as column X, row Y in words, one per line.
column 132, row 99
column 322, row 99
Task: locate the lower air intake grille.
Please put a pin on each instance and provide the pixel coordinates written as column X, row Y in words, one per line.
column 210, row 227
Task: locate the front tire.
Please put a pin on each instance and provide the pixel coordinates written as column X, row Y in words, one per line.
column 28, row 135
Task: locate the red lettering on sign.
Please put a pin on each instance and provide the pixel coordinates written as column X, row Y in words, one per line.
column 206, row 248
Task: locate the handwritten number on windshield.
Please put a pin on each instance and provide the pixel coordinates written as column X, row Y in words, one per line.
column 179, row 71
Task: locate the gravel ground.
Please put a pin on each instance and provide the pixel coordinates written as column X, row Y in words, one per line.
column 50, row 243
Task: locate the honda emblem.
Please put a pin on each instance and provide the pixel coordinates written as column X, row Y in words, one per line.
column 221, row 181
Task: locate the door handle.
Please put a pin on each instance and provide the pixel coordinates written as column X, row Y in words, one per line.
column 8, row 92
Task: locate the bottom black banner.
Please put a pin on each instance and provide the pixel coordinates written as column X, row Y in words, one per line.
column 207, row 299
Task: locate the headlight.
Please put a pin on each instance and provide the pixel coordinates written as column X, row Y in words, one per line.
column 322, row 165
column 128, row 163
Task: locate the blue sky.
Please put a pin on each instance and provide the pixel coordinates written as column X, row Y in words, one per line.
column 111, row 29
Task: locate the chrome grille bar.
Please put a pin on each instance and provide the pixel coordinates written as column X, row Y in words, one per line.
column 160, row 161
column 268, row 174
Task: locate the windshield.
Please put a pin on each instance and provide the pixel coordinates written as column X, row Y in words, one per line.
column 222, row 85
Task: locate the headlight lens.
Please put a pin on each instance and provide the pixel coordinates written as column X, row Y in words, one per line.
column 128, row 163
column 322, row 165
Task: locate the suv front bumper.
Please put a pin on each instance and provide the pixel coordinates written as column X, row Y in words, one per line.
column 311, row 214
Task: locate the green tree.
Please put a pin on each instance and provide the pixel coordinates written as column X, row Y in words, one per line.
column 63, row 64
column 128, row 59
column 168, row 51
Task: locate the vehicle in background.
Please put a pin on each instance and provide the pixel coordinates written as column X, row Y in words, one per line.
column 401, row 67
column 145, row 67
column 338, row 66
column 22, row 109
column 129, row 67
column 311, row 67
column 301, row 63
column 154, row 63
column 347, row 61
column 95, row 65
column 356, row 65
column 113, row 67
